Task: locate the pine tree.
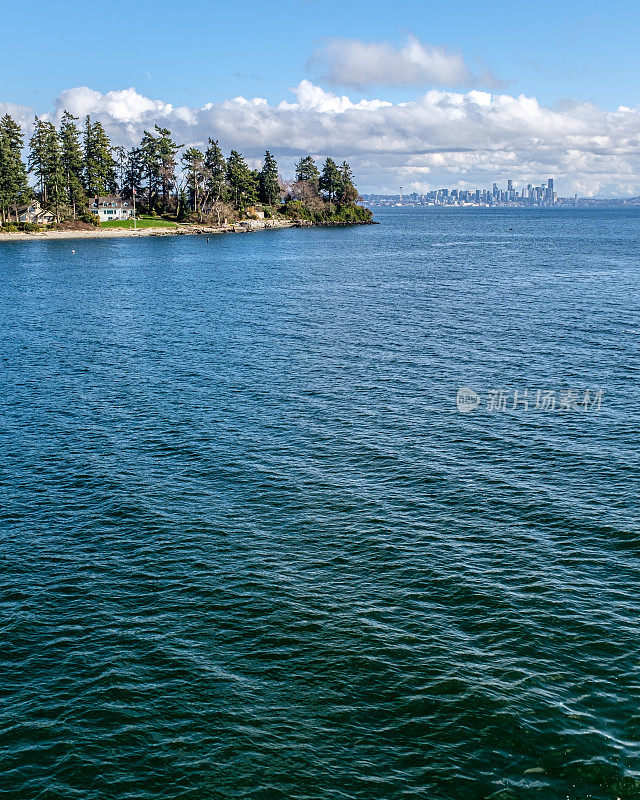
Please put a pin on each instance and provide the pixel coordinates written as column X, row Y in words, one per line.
column 89, row 166
column 242, row 180
column 348, row 192
column 38, row 156
column 133, row 177
column 215, row 176
column 215, row 171
column 193, row 163
column 167, row 150
column 330, row 181
column 46, row 162
column 120, row 156
column 268, row 180
column 72, row 162
column 56, row 179
column 306, row 170
column 14, row 188
column 99, row 166
column 182, row 208
column 107, row 181
column 255, row 182
column 151, row 165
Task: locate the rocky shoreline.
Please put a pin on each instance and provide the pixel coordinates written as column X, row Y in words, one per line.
column 245, row 226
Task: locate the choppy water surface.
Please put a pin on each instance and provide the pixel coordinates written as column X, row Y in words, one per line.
column 251, row 549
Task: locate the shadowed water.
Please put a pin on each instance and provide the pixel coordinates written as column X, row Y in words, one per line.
column 251, row 549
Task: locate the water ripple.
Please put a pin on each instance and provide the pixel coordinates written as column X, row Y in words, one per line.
column 251, row 550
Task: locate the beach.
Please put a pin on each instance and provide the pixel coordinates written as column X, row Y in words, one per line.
column 245, row 226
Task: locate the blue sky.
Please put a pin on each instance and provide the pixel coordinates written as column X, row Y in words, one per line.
column 202, row 51
column 192, row 55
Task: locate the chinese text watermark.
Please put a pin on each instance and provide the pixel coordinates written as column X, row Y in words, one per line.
column 543, row 400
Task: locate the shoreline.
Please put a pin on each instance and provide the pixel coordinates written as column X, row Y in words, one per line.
column 244, row 226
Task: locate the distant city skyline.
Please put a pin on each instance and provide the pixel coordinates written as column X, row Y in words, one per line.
column 416, row 95
column 529, row 195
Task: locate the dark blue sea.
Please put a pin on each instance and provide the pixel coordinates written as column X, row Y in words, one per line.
column 256, row 544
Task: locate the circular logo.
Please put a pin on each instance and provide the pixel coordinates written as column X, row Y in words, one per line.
column 467, row 400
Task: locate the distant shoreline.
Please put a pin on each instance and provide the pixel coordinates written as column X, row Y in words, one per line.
column 498, row 207
column 245, row 226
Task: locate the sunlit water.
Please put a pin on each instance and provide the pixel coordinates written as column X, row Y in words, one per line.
column 251, row 549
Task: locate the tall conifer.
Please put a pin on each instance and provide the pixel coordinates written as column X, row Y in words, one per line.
column 14, row 188
column 242, row 180
column 99, row 166
column 330, row 179
column 269, row 183
column 72, row 162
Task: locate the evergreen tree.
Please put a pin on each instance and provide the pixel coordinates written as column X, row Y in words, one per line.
column 151, row 163
column 306, row 170
column 215, row 171
column 166, row 150
column 268, row 180
column 38, row 156
column 254, row 180
column 56, row 179
column 46, row 162
column 89, row 167
column 99, row 166
column 14, row 188
column 107, row 177
column 182, row 209
column 348, row 192
column 133, row 177
column 193, row 163
column 215, row 176
column 72, row 162
column 242, row 180
column 330, row 181
column 120, row 156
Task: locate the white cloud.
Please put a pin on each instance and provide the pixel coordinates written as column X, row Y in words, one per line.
column 124, row 105
column 351, row 62
column 314, row 98
column 442, row 138
column 21, row 114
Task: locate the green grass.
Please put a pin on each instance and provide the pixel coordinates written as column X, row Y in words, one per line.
column 143, row 222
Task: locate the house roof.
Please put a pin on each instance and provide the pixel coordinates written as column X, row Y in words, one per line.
column 26, row 206
column 108, row 199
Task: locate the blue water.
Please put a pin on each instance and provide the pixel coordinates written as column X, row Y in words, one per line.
column 251, row 548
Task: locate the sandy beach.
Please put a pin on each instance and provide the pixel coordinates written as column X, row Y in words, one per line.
column 246, row 226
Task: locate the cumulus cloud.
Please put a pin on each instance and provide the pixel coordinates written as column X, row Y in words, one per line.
column 124, row 107
column 442, row 138
column 351, row 62
column 21, row 114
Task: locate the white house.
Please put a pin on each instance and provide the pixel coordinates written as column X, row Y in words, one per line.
column 34, row 213
column 111, row 208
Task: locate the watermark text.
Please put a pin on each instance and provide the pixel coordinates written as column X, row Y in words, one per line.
column 541, row 400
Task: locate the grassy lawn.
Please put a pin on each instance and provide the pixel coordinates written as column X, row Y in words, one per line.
column 143, row 222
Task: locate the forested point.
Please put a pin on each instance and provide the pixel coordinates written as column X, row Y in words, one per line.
column 70, row 167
